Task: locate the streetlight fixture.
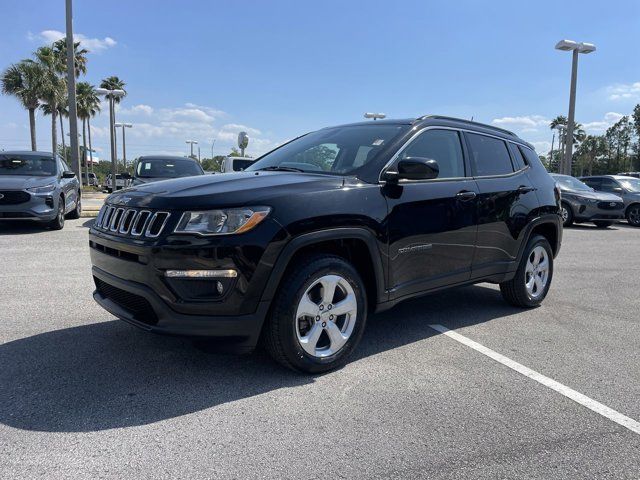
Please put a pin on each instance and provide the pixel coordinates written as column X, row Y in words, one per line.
column 111, row 95
column 375, row 116
column 575, row 48
column 124, row 147
column 192, row 142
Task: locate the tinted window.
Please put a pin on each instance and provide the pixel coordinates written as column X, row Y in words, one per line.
column 593, row 182
column 167, row 168
column 36, row 165
column 240, row 165
column 518, row 158
column 333, row 150
column 608, row 185
column 489, row 155
column 444, row 147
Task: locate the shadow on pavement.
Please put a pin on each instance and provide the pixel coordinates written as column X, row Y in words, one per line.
column 109, row 374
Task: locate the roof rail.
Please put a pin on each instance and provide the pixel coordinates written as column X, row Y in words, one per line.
column 470, row 122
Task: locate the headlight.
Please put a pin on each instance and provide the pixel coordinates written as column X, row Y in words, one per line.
column 44, row 189
column 221, row 222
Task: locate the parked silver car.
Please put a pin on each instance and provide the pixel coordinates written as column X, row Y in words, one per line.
column 581, row 203
column 38, row 186
column 626, row 187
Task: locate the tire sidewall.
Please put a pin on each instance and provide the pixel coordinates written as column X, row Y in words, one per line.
column 569, row 221
column 287, row 325
column 633, row 207
column 58, row 222
column 534, row 242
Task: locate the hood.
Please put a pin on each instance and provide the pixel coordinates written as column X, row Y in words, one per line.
column 21, row 182
column 599, row 196
column 225, row 190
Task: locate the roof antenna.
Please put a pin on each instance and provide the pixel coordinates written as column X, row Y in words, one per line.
column 472, row 118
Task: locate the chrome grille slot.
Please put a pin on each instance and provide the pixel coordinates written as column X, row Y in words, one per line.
column 156, row 224
column 116, row 218
column 131, row 221
column 138, row 226
column 127, row 221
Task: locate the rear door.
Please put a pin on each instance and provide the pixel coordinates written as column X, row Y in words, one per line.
column 506, row 202
column 432, row 223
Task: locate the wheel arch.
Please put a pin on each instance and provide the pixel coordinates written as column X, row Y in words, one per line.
column 356, row 245
column 548, row 227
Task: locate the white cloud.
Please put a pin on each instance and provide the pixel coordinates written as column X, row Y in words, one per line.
column 600, row 126
column 542, row 147
column 94, row 45
column 140, row 109
column 623, row 91
column 528, row 122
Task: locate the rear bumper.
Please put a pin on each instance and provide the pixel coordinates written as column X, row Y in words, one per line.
column 241, row 331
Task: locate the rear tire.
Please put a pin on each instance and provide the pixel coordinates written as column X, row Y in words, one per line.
column 567, row 214
column 321, row 341
column 601, row 224
column 532, row 280
column 58, row 222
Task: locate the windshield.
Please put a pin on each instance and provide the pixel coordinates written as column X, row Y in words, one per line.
column 167, row 168
column 340, row 150
column 33, row 165
column 570, row 183
column 631, row 184
column 240, row 165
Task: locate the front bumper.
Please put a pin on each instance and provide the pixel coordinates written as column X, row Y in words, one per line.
column 42, row 208
column 130, row 282
column 594, row 211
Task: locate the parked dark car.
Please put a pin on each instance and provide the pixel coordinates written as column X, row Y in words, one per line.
column 162, row 167
column 628, row 188
column 298, row 248
column 39, row 187
column 581, row 203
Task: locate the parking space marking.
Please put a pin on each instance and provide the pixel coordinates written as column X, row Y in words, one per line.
column 577, row 397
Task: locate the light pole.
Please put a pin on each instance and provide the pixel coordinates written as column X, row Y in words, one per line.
column 561, row 137
column 71, row 91
column 192, row 142
column 124, row 147
column 212, row 144
column 80, row 159
column 575, row 48
column 375, row 116
column 111, row 96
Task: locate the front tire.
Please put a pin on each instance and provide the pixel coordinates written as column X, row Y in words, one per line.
column 58, row 222
column 77, row 211
column 633, row 215
column 567, row 215
column 532, row 280
column 318, row 316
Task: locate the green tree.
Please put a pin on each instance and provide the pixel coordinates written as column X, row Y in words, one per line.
column 23, row 80
column 591, row 148
column 80, row 57
column 53, row 88
column 114, row 83
column 88, row 106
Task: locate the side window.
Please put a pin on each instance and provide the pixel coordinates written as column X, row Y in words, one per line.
column 489, row 155
column 594, row 183
column 608, row 185
column 444, row 147
column 518, row 158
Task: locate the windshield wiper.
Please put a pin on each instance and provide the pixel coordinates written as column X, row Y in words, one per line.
column 277, row 168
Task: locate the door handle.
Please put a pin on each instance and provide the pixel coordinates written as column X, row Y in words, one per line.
column 465, row 195
column 525, row 189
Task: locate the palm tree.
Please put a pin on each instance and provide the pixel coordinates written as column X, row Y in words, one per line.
column 53, row 88
column 62, row 111
column 114, row 83
column 23, row 80
column 80, row 59
column 88, row 106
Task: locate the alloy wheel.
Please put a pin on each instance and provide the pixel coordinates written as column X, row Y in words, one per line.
column 326, row 316
column 634, row 216
column 537, row 272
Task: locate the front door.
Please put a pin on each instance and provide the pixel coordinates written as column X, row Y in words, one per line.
column 432, row 223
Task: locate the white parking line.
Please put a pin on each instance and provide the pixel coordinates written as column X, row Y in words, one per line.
column 577, row 397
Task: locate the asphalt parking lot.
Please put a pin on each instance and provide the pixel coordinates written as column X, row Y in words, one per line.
column 83, row 395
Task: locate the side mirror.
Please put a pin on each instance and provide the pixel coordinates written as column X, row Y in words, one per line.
column 415, row 168
column 617, row 189
column 68, row 174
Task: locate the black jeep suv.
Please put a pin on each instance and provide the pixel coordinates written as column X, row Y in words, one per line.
column 297, row 249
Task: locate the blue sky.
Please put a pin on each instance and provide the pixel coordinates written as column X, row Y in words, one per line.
column 207, row 69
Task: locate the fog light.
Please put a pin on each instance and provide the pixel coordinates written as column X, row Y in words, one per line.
column 219, row 288
column 49, row 202
column 201, row 274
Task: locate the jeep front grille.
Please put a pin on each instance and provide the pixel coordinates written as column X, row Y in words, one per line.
column 135, row 222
